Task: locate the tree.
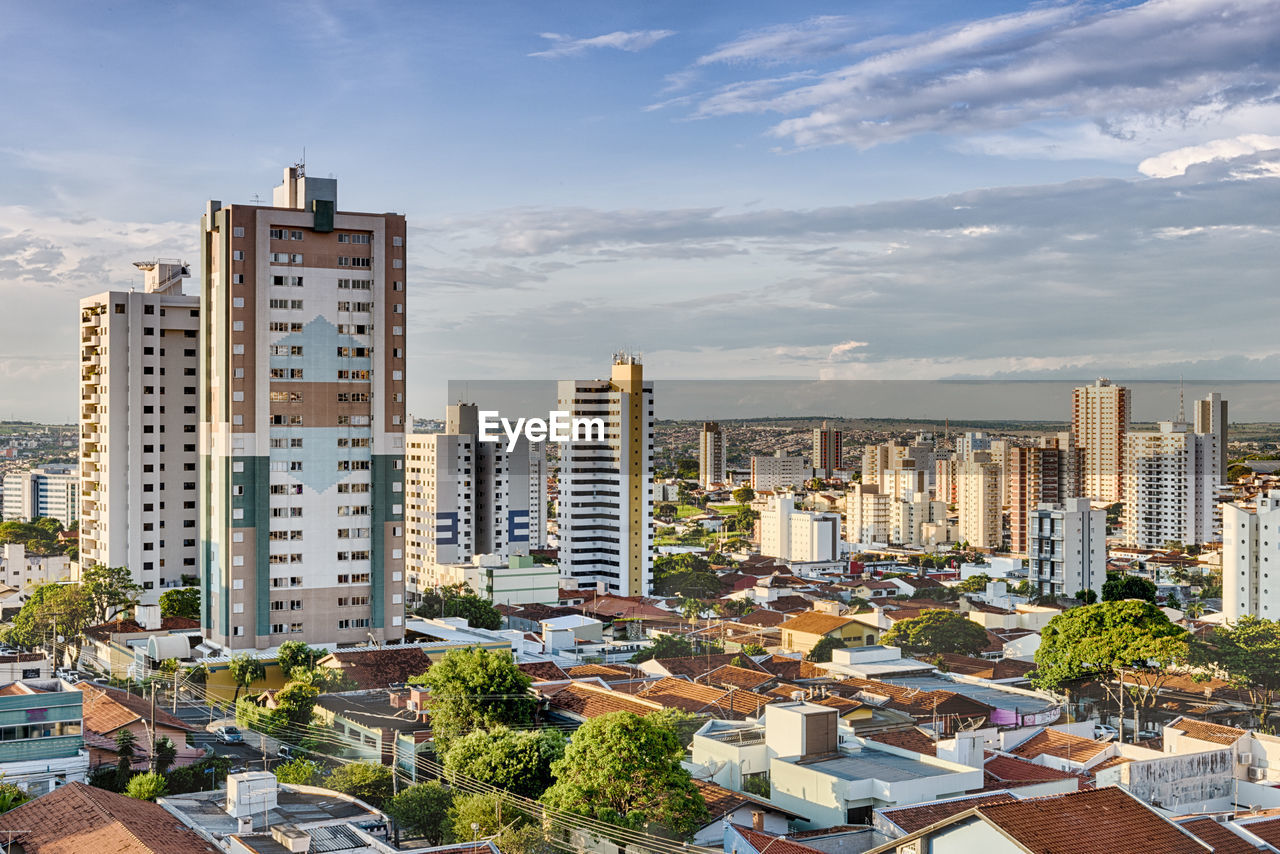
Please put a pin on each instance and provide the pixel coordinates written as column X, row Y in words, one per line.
column 294, row 704
column 754, row 649
column 66, row 607
column 368, row 781
column 1248, row 653
column 823, row 648
column 666, row 510
column 460, row 601
column 294, row 654
column 937, row 631
column 1088, row 595
column 109, row 588
column 475, row 689
column 245, row 670
column 298, row 772
column 976, row 583
column 623, row 769
column 11, row 796
column 664, row 646
column 423, row 810
column 328, row 680
column 1123, row 586
column 518, row 761
column 744, row 495
column 147, row 786
column 181, row 602
column 125, row 741
column 165, row 754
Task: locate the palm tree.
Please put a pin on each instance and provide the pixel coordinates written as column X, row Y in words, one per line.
column 245, row 670
column 1194, row 610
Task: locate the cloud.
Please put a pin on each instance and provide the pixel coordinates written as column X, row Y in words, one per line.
column 1140, row 75
column 1176, row 162
column 631, row 41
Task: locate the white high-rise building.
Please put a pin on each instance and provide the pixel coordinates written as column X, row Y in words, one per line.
column 302, row 420
column 606, row 486
column 139, row 446
column 711, row 454
column 1250, row 539
column 1068, row 551
column 799, row 536
column 44, row 491
column 909, row 516
column 1099, row 421
column 1211, row 418
column 466, row 497
column 974, row 440
column 867, row 514
column 978, row 500
column 779, row 472
column 1171, row 486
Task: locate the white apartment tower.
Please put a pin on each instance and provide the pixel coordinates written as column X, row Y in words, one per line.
column 1068, row 551
column 798, row 536
column 139, row 454
column 1250, row 538
column 606, row 487
column 43, row 491
column 1099, row 421
column 711, row 454
column 1171, row 486
column 978, row 500
column 302, row 420
column 779, row 471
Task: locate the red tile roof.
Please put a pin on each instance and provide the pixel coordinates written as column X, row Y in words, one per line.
column 792, row 669
column 815, row 623
column 1268, row 830
column 108, row 709
column 543, row 671
column 776, row 844
column 607, row 672
column 694, row 666
column 914, row 739
column 76, row 818
column 1221, row 837
column 1063, row 745
column 704, row 699
column 733, row 676
column 591, row 701
column 762, row 617
column 1000, row 770
column 1204, row 731
column 103, row 631
column 372, row 668
column 919, row 816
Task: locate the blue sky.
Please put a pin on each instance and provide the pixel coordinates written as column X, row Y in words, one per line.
column 742, row 190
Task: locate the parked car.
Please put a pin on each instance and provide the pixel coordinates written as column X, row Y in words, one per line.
column 1104, row 732
column 68, row 675
column 228, row 735
column 1150, row 733
column 285, row 752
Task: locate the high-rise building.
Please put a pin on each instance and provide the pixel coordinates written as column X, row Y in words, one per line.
column 973, row 440
column 798, row 536
column 711, row 454
column 606, row 486
column 978, row 500
column 44, row 491
column 139, row 454
column 828, row 450
column 1047, row 474
column 1250, row 538
column 779, row 471
column 465, row 497
column 1211, row 419
column 302, row 420
column 1068, row 548
column 1099, row 421
column 867, row 514
column 1171, row 487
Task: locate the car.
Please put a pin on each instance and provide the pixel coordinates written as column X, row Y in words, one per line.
column 285, row 752
column 228, row 735
column 1104, row 732
column 1150, row 733
column 68, row 675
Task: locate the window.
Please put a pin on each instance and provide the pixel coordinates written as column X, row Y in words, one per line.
column 287, row 281
column 397, row 241
column 277, row 234
column 237, row 278
column 295, row 235
column 237, row 255
column 237, row 231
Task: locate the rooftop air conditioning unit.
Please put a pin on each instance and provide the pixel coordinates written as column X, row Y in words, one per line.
column 1257, row 773
column 1245, row 758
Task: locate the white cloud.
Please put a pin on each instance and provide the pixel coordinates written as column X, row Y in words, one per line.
column 844, row 348
column 630, row 41
column 1176, row 162
column 823, row 34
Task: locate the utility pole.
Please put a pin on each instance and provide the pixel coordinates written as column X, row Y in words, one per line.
column 152, row 732
column 262, row 741
column 175, row 690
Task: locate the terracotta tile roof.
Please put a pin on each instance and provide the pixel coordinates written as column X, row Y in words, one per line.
column 379, row 668
column 763, row 617
column 1002, row 770
column 908, row 739
column 790, row 604
column 916, row 702
column 1091, row 821
column 108, row 709
column 733, row 676
column 722, row 801
column 1109, row 763
column 776, row 844
column 1060, row 744
column 815, row 623
column 76, row 818
column 14, row 689
column 591, row 701
column 704, row 699
column 1268, row 830
column 543, row 671
column 919, row 816
column 103, row 631
column 792, row 669
column 843, row 705
column 1203, row 731
column 694, row 666
column 607, row 672
column 985, row 668
column 1221, row 837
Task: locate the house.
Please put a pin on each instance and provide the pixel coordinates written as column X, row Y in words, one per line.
column 1091, row 821
column 579, row 702
column 1257, row 755
column 373, row 667
column 43, row 747
column 900, row 821
column 739, row 839
column 119, row 648
column 726, row 806
column 694, row 666
column 699, row 699
column 372, row 728
column 803, row 632
column 107, row 711
column 78, row 818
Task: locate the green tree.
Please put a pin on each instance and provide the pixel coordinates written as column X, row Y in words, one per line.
column 147, row 786
column 664, row 646
column 744, row 495
column 125, row 750
column 245, row 669
column 1123, row 586
column 623, row 769
column 1088, row 595
column 294, row 654
column 754, row 649
column 460, row 601
column 475, row 689
column 976, row 583
column 166, row 753
column 823, row 648
column 181, row 602
column 518, row 761
column 368, row 781
column 110, row 588
column 937, row 631
column 1248, row 654
column 294, row 704
column 666, row 510
column 11, row 796
column 327, row 680
column 64, row 606
column 423, row 810
column 298, row 772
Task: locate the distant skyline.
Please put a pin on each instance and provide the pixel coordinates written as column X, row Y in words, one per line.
column 746, row 190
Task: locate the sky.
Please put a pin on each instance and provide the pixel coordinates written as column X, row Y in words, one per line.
column 737, row 190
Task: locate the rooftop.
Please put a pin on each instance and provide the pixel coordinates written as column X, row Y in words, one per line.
column 371, row 667
column 298, row 805
column 1204, row 731
column 919, row 816
column 871, row 764
column 1063, row 745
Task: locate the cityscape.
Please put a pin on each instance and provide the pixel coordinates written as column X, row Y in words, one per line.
column 732, row 428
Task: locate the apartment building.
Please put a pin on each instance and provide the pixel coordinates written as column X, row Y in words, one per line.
column 828, row 450
column 302, row 420
column 466, row 497
column 1047, row 473
column 779, row 472
column 711, row 454
column 798, row 535
column 606, row 485
column 1171, row 486
column 1250, row 538
column 867, row 513
column 139, row 417
column 44, row 491
column 1100, row 416
column 978, row 500
column 1067, row 548
column 1210, row 415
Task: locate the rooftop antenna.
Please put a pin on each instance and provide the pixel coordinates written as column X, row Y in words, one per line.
column 255, row 199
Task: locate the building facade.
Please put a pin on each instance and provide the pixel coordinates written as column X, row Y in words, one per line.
column 606, row 485
column 1048, row 473
column 798, row 535
column 1211, row 419
column 1067, row 549
column 779, row 472
column 1171, row 487
column 139, row 454
column 302, row 420
column 828, row 450
column 711, row 454
column 45, row 491
column 978, row 500
column 1099, row 421
column 1250, row 538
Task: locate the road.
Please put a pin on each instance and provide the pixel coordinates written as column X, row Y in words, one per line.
column 244, row 757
